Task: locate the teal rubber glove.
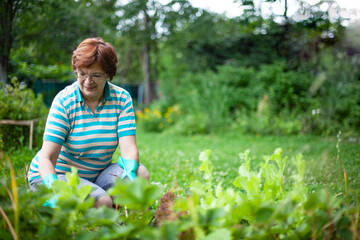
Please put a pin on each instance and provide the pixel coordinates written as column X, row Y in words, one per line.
column 130, row 167
column 48, row 181
column 52, row 202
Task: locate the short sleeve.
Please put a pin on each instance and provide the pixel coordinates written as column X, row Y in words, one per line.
column 126, row 120
column 57, row 124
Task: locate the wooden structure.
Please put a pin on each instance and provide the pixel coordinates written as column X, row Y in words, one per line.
column 23, row 122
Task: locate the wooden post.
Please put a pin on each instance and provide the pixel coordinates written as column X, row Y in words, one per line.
column 31, row 134
column 23, row 122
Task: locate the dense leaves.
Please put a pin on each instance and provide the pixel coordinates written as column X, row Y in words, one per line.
column 262, row 204
column 20, row 103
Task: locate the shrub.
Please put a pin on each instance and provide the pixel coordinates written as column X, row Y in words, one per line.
column 20, row 103
column 255, row 123
column 212, row 100
column 339, row 94
column 205, row 99
column 295, row 101
column 158, row 117
column 287, row 89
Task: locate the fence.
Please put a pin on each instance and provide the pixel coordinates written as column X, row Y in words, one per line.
column 49, row 89
column 29, row 123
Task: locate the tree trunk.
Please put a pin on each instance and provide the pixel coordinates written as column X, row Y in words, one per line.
column 148, row 86
column 8, row 10
column 3, row 76
column 149, row 93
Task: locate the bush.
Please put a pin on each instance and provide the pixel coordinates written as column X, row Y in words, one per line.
column 339, row 94
column 205, row 99
column 20, row 103
column 212, row 100
column 295, row 101
column 264, row 124
column 158, row 117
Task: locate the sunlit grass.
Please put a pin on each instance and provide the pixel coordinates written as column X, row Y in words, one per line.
column 172, row 160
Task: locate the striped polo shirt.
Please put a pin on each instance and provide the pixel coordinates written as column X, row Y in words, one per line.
column 88, row 139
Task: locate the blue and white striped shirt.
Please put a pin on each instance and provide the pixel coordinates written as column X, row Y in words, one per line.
column 88, row 139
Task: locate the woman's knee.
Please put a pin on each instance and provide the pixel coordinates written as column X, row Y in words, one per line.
column 143, row 172
column 104, row 201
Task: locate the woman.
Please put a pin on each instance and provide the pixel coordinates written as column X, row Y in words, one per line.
column 86, row 123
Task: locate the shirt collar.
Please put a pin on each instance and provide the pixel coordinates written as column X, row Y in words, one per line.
column 107, row 91
column 79, row 97
column 107, row 96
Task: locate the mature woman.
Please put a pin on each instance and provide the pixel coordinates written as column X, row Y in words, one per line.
column 86, row 123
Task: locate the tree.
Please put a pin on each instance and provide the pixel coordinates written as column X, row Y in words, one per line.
column 8, row 11
column 145, row 22
column 71, row 22
column 53, row 28
column 250, row 6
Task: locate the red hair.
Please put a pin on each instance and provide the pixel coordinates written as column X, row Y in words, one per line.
column 93, row 50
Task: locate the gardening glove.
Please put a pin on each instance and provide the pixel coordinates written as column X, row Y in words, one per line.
column 130, row 167
column 48, row 181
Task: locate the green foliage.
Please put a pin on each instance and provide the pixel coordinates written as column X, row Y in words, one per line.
column 265, row 101
column 338, row 98
column 25, row 69
column 261, row 207
column 159, row 117
column 255, row 123
column 20, row 103
column 204, row 102
column 263, row 202
column 137, row 195
column 272, row 100
column 75, row 20
column 74, row 217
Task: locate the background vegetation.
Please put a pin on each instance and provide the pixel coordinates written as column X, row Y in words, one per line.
column 249, row 73
column 207, row 81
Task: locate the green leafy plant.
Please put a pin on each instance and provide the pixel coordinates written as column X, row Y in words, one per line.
column 262, row 203
column 20, row 103
column 265, row 204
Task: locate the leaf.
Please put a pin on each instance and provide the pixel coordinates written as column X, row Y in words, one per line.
column 245, row 157
column 264, row 214
column 198, row 187
column 300, row 163
column 206, row 166
column 73, row 178
column 154, row 234
column 244, row 172
column 204, row 155
column 139, row 194
column 83, row 192
column 222, row 233
column 213, row 216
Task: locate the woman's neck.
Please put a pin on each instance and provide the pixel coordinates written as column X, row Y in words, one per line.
column 92, row 103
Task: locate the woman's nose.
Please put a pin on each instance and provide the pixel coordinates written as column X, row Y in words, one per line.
column 88, row 80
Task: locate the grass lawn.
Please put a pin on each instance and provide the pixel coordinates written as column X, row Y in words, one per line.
column 173, row 161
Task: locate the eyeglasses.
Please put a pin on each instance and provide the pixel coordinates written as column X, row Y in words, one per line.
column 93, row 76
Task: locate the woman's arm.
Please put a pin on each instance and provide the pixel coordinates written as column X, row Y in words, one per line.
column 129, row 152
column 128, row 148
column 48, row 157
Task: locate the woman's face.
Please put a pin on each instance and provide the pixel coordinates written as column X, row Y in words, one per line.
column 92, row 81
